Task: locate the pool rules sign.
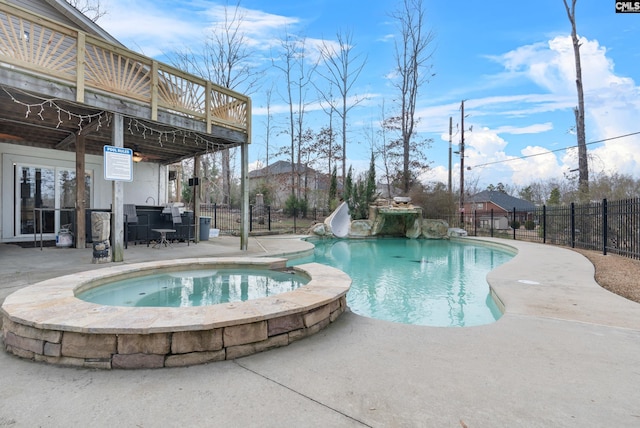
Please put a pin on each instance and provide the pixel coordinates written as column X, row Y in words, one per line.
column 118, row 163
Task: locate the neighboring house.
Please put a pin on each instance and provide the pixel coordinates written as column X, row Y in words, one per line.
column 308, row 183
column 68, row 90
column 481, row 204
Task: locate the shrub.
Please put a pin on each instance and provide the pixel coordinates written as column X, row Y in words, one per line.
column 529, row 225
column 515, row 224
column 296, row 206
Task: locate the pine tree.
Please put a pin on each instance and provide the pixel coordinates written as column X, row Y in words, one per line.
column 348, row 188
column 333, row 189
column 370, row 192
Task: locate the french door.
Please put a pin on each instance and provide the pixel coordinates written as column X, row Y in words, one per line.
column 46, row 198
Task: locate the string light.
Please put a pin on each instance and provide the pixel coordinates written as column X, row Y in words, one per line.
column 135, row 126
column 51, row 103
column 144, row 129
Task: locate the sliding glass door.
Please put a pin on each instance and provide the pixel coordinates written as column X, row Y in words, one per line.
column 46, row 198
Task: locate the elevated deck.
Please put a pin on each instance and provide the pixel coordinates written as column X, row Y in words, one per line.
column 60, row 81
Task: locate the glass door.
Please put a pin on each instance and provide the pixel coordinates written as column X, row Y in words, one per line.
column 47, row 198
column 36, row 190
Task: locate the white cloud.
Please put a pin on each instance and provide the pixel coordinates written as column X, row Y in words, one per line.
column 531, row 129
column 153, row 30
column 143, row 27
column 256, row 165
column 261, row 30
column 612, row 105
column 538, row 164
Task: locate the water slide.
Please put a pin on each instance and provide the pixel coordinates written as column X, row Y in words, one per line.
column 339, row 221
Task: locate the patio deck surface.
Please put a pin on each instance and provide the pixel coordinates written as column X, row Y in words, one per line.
column 566, row 353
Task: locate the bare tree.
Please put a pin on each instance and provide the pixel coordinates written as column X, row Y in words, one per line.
column 285, row 65
column 268, row 125
column 325, row 149
column 298, row 75
column 91, row 8
column 583, row 166
column 342, row 70
column 327, row 134
column 226, row 59
column 412, row 55
column 382, row 149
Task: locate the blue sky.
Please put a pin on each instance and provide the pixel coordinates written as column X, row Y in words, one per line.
column 511, row 61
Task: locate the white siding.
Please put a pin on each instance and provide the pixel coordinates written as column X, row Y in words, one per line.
column 148, row 185
column 41, row 8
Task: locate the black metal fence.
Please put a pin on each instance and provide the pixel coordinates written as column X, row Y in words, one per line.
column 606, row 226
column 262, row 219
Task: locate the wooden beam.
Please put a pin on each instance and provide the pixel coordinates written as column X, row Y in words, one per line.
column 66, row 142
column 72, row 138
column 207, row 103
column 154, row 90
column 244, row 185
column 117, row 204
column 80, row 58
column 81, row 226
column 244, row 188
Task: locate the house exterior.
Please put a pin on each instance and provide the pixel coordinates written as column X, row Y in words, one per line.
column 69, row 94
column 481, row 205
column 308, row 183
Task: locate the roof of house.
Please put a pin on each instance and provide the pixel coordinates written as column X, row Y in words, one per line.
column 279, row 167
column 502, row 200
column 64, row 12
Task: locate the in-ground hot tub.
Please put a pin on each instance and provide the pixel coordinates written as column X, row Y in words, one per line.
column 47, row 322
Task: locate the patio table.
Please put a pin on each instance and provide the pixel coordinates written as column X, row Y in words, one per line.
column 163, row 237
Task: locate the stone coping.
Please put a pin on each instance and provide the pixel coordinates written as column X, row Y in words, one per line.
column 53, row 305
column 46, row 322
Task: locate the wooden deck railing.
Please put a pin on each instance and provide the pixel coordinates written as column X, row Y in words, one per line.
column 83, row 61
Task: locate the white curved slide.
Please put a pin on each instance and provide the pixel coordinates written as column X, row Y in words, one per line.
column 339, row 221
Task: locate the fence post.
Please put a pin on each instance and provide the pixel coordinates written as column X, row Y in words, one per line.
column 491, row 224
column 544, row 224
column 215, row 215
column 250, row 218
column 475, row 222
column 513, row 223
column 605, row 226
column 295, row 216
column 573, row 225
column 269, row 217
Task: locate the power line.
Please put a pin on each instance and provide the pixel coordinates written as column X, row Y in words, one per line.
column 553, row 151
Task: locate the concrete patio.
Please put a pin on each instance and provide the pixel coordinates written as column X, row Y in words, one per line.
column 566, row 353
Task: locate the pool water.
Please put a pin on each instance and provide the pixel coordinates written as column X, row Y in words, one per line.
column 194, row 288
column 411, row 281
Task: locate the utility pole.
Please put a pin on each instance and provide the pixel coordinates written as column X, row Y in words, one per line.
column 462, row 165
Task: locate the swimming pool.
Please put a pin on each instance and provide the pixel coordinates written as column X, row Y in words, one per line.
column 416, row 281
column 198, row 287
